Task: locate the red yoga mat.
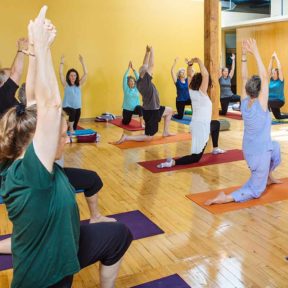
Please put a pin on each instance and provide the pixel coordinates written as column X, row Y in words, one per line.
column 207, row 159
column 134, row 125
column 234, row 115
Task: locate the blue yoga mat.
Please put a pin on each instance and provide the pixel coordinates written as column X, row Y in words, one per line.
column 139, row 225
column 83, row 132
column 172, row 281
column 77, row 191
column 278, row 122
column 185, row 120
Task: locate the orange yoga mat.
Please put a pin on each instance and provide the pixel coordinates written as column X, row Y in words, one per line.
column 156, row 141
column 273, row 193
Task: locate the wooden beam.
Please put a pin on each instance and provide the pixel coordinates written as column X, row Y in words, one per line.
column 211, row 49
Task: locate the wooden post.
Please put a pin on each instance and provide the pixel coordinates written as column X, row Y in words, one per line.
column 211, row 49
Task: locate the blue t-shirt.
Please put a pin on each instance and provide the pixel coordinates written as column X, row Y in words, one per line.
column 131, row 95
column 72, row 97
column 182, row 90
column 276, row 90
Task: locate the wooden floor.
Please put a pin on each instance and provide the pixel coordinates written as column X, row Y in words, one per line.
column 245, row 248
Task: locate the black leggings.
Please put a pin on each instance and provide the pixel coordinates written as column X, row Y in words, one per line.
column 180, row 105
column 74, row 115
column 194, row 158
column 127, row 114
column 86, row 180
column 104, row 242
column 274, row 106
column 225, row 103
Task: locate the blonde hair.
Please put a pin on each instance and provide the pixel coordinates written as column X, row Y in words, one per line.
column 17, row 128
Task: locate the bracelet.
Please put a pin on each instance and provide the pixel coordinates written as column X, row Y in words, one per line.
column 61, row 63
column 33, row 55
column 190, row 65
column 244, row 60
column 21, row 51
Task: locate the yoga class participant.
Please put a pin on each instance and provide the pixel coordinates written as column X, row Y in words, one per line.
column 181, row 82
column 201, row 125
column 81, row 179
column 226, row 94
column 276, row 88
column 152, row 111
column 10, row 78
column 72, row 102
column 131, row 103
column 261, row 153
column 48, row 243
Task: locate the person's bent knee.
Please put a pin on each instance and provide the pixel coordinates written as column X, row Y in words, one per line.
column 121, row 238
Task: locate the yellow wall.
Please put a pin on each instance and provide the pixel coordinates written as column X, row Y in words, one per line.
column 108, row 34
column 270, row 37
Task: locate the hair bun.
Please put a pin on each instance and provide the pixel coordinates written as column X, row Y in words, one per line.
column 20, row 109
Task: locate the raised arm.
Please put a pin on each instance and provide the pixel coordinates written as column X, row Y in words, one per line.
column 125, row 77
column 220, row 68
column 151, row 62
column 47, row 94
column 232, row 71
column 18, row 63
column 205, row 75
column 262, row 72
column 85, row 71
column 244, row 68
column 190, row 71
column 281, row 77
column 173, row 74
column 135, row 72
column 147, row 56
column 61, row 74
column 31, row 73
column 270, row 67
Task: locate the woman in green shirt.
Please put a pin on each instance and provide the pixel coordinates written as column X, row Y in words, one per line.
column 48, row 243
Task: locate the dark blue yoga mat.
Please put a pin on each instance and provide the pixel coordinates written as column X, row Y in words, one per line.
column 1, row 200
column 185, row 120
column 172, row 281
column 140, row 226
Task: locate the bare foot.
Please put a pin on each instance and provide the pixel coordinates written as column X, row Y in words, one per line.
column 219, row 199
column 121, row 140
column 272, row 180
column 101, row 218
column 167, row 134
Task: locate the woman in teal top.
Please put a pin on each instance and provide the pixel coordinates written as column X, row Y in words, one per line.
column 72, row 102
column 131, row 102
column 48, row 243
column 276, row 88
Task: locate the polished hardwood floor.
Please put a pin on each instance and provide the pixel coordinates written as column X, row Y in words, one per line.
column 245, row 248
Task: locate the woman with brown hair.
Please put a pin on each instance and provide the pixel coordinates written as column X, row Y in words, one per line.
column 48, row 243
column 201, row 125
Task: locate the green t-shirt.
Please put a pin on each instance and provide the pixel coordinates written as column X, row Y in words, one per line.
column 46, row 224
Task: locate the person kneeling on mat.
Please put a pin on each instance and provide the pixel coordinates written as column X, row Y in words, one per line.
column 152, row 111
column 49, row 245
column 131, row 102
column 181, row 82
column 276, row 89
column 201, row 125
column 260, row 152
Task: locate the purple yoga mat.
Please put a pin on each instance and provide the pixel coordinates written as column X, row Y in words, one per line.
column 140, row 225
column 172, row 281
column 5, row 260
column 136, row 221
